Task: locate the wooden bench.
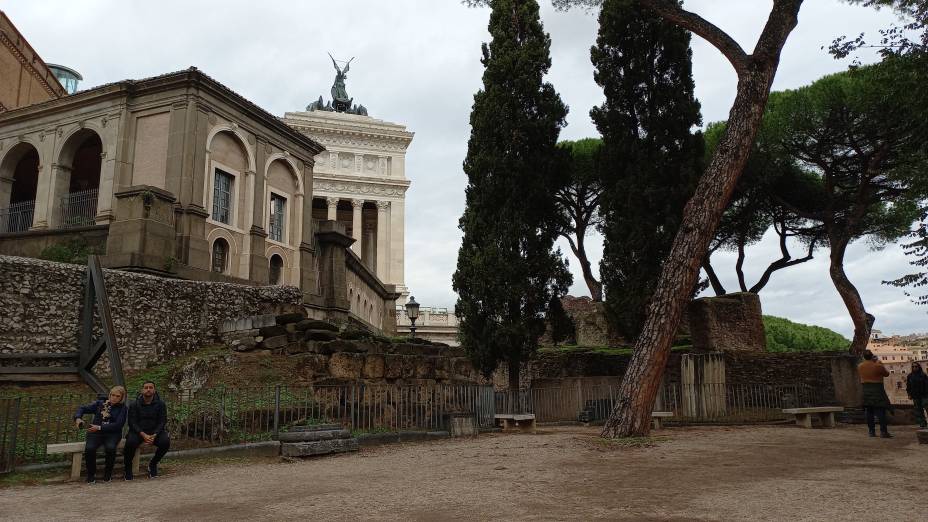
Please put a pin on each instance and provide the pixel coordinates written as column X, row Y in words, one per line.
column 656, row 417
column 509, row 421
column 76, row 449
column 804, row 415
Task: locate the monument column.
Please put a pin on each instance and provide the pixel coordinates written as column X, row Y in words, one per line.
column 356, row 232
column 383, row 251
column 333, row 208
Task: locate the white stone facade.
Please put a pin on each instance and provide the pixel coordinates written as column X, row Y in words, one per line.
column 360, row 181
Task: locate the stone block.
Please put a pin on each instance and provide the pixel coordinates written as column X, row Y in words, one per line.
column 243, row 345
column 315, row 324
column 346, row 366
column 322, row 447
column 461, row 369
column 373, row 366
column 289, row 318
column 272, row 331
column 442, row 368
column 732, row 322
column 319, row 335
column 425, row 368
column 312, row 364
column 315, row 427
column 311, row 436
column 273, row 343
column 399, row 366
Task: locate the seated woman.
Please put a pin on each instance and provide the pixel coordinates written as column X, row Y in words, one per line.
column 109, row 416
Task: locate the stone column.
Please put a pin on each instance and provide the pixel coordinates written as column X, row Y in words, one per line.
column 333, row 208
column 368, row 256
column 356, row 232
column 6, row 191
column 48, row 208
column 383, row 246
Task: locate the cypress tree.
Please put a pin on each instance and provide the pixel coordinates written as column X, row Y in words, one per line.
column 651, row 159
column 507, row 268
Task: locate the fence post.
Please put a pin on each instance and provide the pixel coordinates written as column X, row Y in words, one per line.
column 276, row 411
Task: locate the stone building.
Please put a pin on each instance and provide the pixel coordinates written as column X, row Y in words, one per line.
column 26, row 78
column 178, row 175
column 360, row 181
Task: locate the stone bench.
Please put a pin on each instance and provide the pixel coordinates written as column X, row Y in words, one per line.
column 657, row 416
column 76, row 449
column 509, row 421
column 804, row 415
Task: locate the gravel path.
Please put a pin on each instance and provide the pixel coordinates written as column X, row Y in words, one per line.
column 761, row 473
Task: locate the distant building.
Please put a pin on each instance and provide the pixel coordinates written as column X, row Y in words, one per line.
column 24, row 77
column 434, row 324
column 897, row 358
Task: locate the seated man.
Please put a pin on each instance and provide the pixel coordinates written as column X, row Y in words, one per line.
column 147, row 422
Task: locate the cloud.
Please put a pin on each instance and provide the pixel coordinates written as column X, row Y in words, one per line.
column 418, row 64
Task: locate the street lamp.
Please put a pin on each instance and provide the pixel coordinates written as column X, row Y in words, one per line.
column 412, row 312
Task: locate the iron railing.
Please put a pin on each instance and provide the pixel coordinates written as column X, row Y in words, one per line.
column 9, row 424
column 221, row 416
column 17, row 217
column 690, row 404
column 79, row 209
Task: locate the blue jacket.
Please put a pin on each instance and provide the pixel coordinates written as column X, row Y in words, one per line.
column 113, row 424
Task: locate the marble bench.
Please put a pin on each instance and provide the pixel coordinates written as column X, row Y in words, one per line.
column 804, row 415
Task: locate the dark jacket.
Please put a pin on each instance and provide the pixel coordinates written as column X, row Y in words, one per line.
column 916, row 385
column 150, row 418
column 110, row 425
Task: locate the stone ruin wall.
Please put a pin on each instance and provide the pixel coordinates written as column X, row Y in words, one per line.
column 154, row 318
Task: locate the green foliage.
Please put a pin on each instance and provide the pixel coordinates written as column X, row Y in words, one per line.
column 784, row 335
column 562, row 326
column 578, row 203
column 651, row 159
column 858, row 140
column 74, row 251
column 507, row 271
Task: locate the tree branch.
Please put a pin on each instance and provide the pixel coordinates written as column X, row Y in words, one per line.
column 713, row 278
column 670, row 10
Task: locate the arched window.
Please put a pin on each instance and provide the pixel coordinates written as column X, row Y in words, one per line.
column 220, row 256
column 277, row 265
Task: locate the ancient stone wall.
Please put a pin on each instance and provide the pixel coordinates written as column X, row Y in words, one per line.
column 154, row 318
column 831, row 375
column 732, row 322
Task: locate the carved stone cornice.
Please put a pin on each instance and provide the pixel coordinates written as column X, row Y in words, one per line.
column 361, row 188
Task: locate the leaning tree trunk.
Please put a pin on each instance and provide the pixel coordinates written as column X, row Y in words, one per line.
column 701, row 216
column 596, row 287
column 851, row 297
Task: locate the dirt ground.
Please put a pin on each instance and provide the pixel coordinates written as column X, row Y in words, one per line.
column 717, row 473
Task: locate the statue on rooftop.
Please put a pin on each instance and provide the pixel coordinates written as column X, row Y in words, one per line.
column 340, row 101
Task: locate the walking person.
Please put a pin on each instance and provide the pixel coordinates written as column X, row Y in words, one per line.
column 875, row 400
column 148, row 418
column 105, row 429
column 916, row 385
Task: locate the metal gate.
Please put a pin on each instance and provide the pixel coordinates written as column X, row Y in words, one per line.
column 9, row 422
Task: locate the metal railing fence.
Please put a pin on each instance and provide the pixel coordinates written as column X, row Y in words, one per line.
column 690, row 404
column 17, row 217
column 9, row 424
column 79, row 209
column 220, row 416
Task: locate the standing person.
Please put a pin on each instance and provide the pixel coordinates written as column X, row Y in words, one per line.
column 105, row 430
column 916, row 385
column 876, row 402
column 148, row 418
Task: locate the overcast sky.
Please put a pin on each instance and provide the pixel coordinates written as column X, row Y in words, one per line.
column 417, row 63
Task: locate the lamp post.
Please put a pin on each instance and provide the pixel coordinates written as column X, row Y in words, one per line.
column 412, row 312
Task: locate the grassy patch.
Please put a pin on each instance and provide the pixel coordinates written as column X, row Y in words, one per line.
column 570, row 348
column 33, row 478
